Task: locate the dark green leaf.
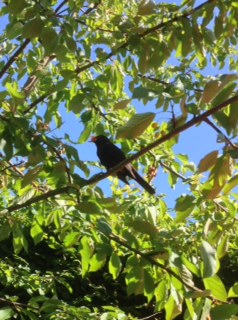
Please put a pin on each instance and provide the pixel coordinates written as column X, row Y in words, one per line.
column 224, row 312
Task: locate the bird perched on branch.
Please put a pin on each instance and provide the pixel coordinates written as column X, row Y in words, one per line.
column 110, row 156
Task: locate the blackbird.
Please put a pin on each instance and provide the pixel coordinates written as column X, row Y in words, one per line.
column 110, row 155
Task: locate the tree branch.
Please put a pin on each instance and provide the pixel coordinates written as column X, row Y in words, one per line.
column 163, row 139
column 60, row 6
column 141, row 35
column 151, row 260
column 152, row 145
column 184, row 15
column 36, row 199
column 13, row 57
column 34, row 103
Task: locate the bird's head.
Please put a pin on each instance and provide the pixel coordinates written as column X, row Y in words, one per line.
column 98, row 139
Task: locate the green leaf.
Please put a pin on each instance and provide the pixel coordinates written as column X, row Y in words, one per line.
column 17, row 6
column 224, row 94
column 224, row 312
column 71, row 239
column 198, row 294
column 232, row 183
column 50, row 39
column 6, row 313
column 30, row 176
column 5, row 231
column 19, row 240
column 13, row 30
column 146, row 7
column 85, row 134
column 223, row 245
column 144, row 227
column 141, row 93
column 134, row 280
column 12, row 88
column 233, row 115
column 114, row 265
column 104, row 227
column 76, row 103
column 161, row 291
column 149, row 285
column 89, row 207
column 233, row 292
column 184, row 207
column 36, row 233
column 211, row 89
column 208, row 161
column 86, row 251
column 217, row 287
column 136, row 125
column 192, row 267
column 208, row 254
column 97, row 261
column 122, row 104
column 33, row 28
column 172, row 308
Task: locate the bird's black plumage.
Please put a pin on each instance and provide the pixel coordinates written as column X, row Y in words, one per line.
column 110, row 155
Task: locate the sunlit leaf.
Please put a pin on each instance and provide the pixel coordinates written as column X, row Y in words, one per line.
column 6, row 313
column 114, row 265
column 86, row 251
column 217, row 287
column 71, row 238
column 208, row 161
column 233, row 292
column 208, row 254
column 232, row 183
column 36, row 233
column 135, row 126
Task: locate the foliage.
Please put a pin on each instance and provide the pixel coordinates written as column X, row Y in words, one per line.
column 68, row 249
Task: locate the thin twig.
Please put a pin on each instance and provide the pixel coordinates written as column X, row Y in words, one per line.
column 12, row 165
column 34, row 103
column 92, row 7
column 60, row 6
column 125, row 244
column 176, row 18
column 209, row 122
column 141, row 35
column 14, row 57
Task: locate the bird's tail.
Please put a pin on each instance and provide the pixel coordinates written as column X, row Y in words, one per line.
column 143, row 183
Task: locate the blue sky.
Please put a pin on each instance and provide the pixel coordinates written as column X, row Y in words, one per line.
column 196, row 142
